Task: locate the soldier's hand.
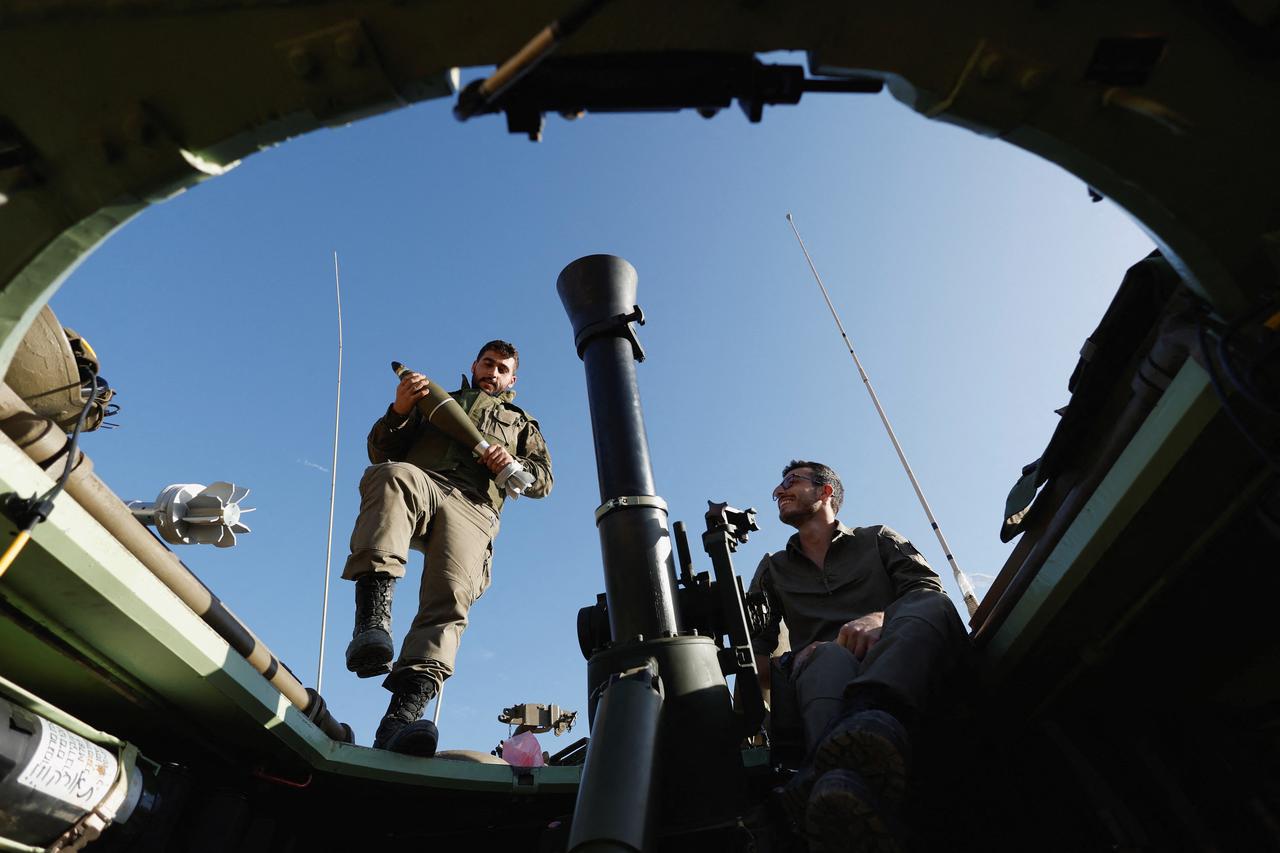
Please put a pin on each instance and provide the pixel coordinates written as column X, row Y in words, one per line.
column 496, row 458
column 803, row 655
column 412, row 388
column 861, row 634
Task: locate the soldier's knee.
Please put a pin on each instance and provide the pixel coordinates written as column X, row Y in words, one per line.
column 939, row 605
column 923, row 604
column 387, row 472
column 826, row 648
column 822, row 658
column 389, row 481
column 925, row 607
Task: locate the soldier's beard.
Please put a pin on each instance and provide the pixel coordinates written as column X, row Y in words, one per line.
column 798, row 512
column 490, row 388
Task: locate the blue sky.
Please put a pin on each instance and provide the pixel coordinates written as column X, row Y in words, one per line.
column 967, row 273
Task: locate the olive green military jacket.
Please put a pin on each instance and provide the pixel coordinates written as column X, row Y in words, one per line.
column 412, row 439
column 866, row 570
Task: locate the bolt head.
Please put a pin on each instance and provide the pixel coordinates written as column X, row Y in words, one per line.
column 1032, row 79
column 301, row 61
column 991, row 66
column 348, row 49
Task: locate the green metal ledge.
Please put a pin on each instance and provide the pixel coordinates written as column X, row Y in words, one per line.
column 86, row 627
column 1183, row 411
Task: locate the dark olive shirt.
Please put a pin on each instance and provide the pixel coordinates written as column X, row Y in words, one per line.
column 412, row 439
column 866, row 569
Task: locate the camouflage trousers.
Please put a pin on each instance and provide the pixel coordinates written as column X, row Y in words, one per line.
column 401, row 507
column 922, row 646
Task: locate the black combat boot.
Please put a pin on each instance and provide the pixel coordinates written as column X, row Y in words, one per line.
column 845, row 815
column 400, row 730
column 868, row 738
column 369, row 652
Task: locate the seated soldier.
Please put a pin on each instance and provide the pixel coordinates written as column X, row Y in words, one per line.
column 874, row 640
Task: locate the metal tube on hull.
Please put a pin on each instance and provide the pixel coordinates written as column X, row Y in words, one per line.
column 615, row 810
column 39, row 441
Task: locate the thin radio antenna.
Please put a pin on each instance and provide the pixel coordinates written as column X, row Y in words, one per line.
column 333, row 481
column 966, row 588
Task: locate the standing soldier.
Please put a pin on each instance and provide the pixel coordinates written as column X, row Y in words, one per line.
column 427, row 490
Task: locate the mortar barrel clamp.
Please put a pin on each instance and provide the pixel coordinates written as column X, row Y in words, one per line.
column 627, row 501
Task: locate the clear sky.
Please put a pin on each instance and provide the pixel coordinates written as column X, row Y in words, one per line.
column 967, row 273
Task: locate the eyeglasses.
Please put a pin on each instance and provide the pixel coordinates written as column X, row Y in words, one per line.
column 790, row 480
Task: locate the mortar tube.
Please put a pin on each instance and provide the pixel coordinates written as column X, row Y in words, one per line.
column 614, row 812
column 22, row 426
column 598, row 293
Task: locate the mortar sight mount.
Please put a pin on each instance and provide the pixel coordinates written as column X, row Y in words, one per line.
column 714, row 608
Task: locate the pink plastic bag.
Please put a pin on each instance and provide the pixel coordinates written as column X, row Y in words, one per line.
column 523, row 750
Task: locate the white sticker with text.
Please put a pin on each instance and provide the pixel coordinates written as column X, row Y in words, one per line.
column 68, row 767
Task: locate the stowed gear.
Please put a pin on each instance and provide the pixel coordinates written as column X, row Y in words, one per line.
column 93, row 385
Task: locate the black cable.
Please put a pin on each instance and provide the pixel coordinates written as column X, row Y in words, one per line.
column 1244, row 385
column 1222, row 399
column 75, row 437
column 28, row 512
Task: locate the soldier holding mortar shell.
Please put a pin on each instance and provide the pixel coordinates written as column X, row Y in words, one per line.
column 443, row 465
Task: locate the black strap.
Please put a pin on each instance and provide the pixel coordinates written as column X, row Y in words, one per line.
column 619, row 325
